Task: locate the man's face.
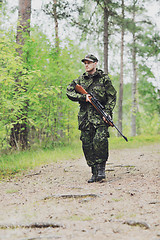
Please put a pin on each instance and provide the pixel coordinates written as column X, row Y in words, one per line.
column 90, row 67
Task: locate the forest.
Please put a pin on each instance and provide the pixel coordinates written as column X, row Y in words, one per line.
column 40, row 54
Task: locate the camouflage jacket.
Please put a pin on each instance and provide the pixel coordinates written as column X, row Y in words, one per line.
column 100, row 85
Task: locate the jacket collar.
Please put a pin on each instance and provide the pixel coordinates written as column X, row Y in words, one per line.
column 97, row 73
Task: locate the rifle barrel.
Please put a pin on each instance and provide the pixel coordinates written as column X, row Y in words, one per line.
column 97, row 105
column 100, row 110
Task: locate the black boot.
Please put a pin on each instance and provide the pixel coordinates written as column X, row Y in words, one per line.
column 94, row 175
column 101, row 171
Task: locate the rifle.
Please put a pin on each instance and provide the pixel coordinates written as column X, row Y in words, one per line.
column 98, row 106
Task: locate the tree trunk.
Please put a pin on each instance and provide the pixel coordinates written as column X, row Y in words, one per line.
column 120, row 110
column 19, row 131
column 24, row 16
column 106, row 35
column 134, row 83
column 56, row 24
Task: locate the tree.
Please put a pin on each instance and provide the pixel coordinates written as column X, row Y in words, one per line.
column 106, row 36
column 2, row 10
column 1, row 1
column 110, row 15
column 19, row 131
column 99, row 20
column 58, row 10
column 140, row 52
column 134, row 82
column 120, row 102
column 23, row 26
column 56, row 23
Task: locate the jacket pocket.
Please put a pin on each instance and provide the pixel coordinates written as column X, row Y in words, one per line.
column 82, row 120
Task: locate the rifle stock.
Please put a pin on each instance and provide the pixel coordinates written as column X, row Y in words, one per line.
column 97, row 105
column 80, row 89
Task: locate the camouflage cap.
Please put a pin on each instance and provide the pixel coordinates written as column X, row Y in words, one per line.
column 90, row 57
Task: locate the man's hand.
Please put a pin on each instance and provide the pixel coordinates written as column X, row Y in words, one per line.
column 88, row 98
column 105, row 120
column 108, row 122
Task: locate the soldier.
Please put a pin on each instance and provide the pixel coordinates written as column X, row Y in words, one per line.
column 94, row 131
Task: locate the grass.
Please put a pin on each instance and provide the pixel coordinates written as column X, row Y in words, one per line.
column 133, row 142
column 13, row 163
column 80, row 218
column 11, row 191
column 16, row 162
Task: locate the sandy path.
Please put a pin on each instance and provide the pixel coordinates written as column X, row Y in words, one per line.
column 125, row 207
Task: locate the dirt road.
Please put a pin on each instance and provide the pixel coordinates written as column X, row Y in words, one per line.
column 56, row 202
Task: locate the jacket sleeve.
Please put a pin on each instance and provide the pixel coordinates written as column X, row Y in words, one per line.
column 111, row 96
column 73, row 95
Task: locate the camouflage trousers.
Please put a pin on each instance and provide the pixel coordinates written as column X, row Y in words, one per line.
column 95, row 144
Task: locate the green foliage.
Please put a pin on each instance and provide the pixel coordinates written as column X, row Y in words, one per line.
column 148, row 111
column 148, row 97
column 150, row 43
column 149, row 108
column 36, row 83
column 43, row 75
column 12, row 93
column 63, row 9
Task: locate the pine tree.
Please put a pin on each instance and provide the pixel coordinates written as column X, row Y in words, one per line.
column 120, row 102
column 19, row 131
